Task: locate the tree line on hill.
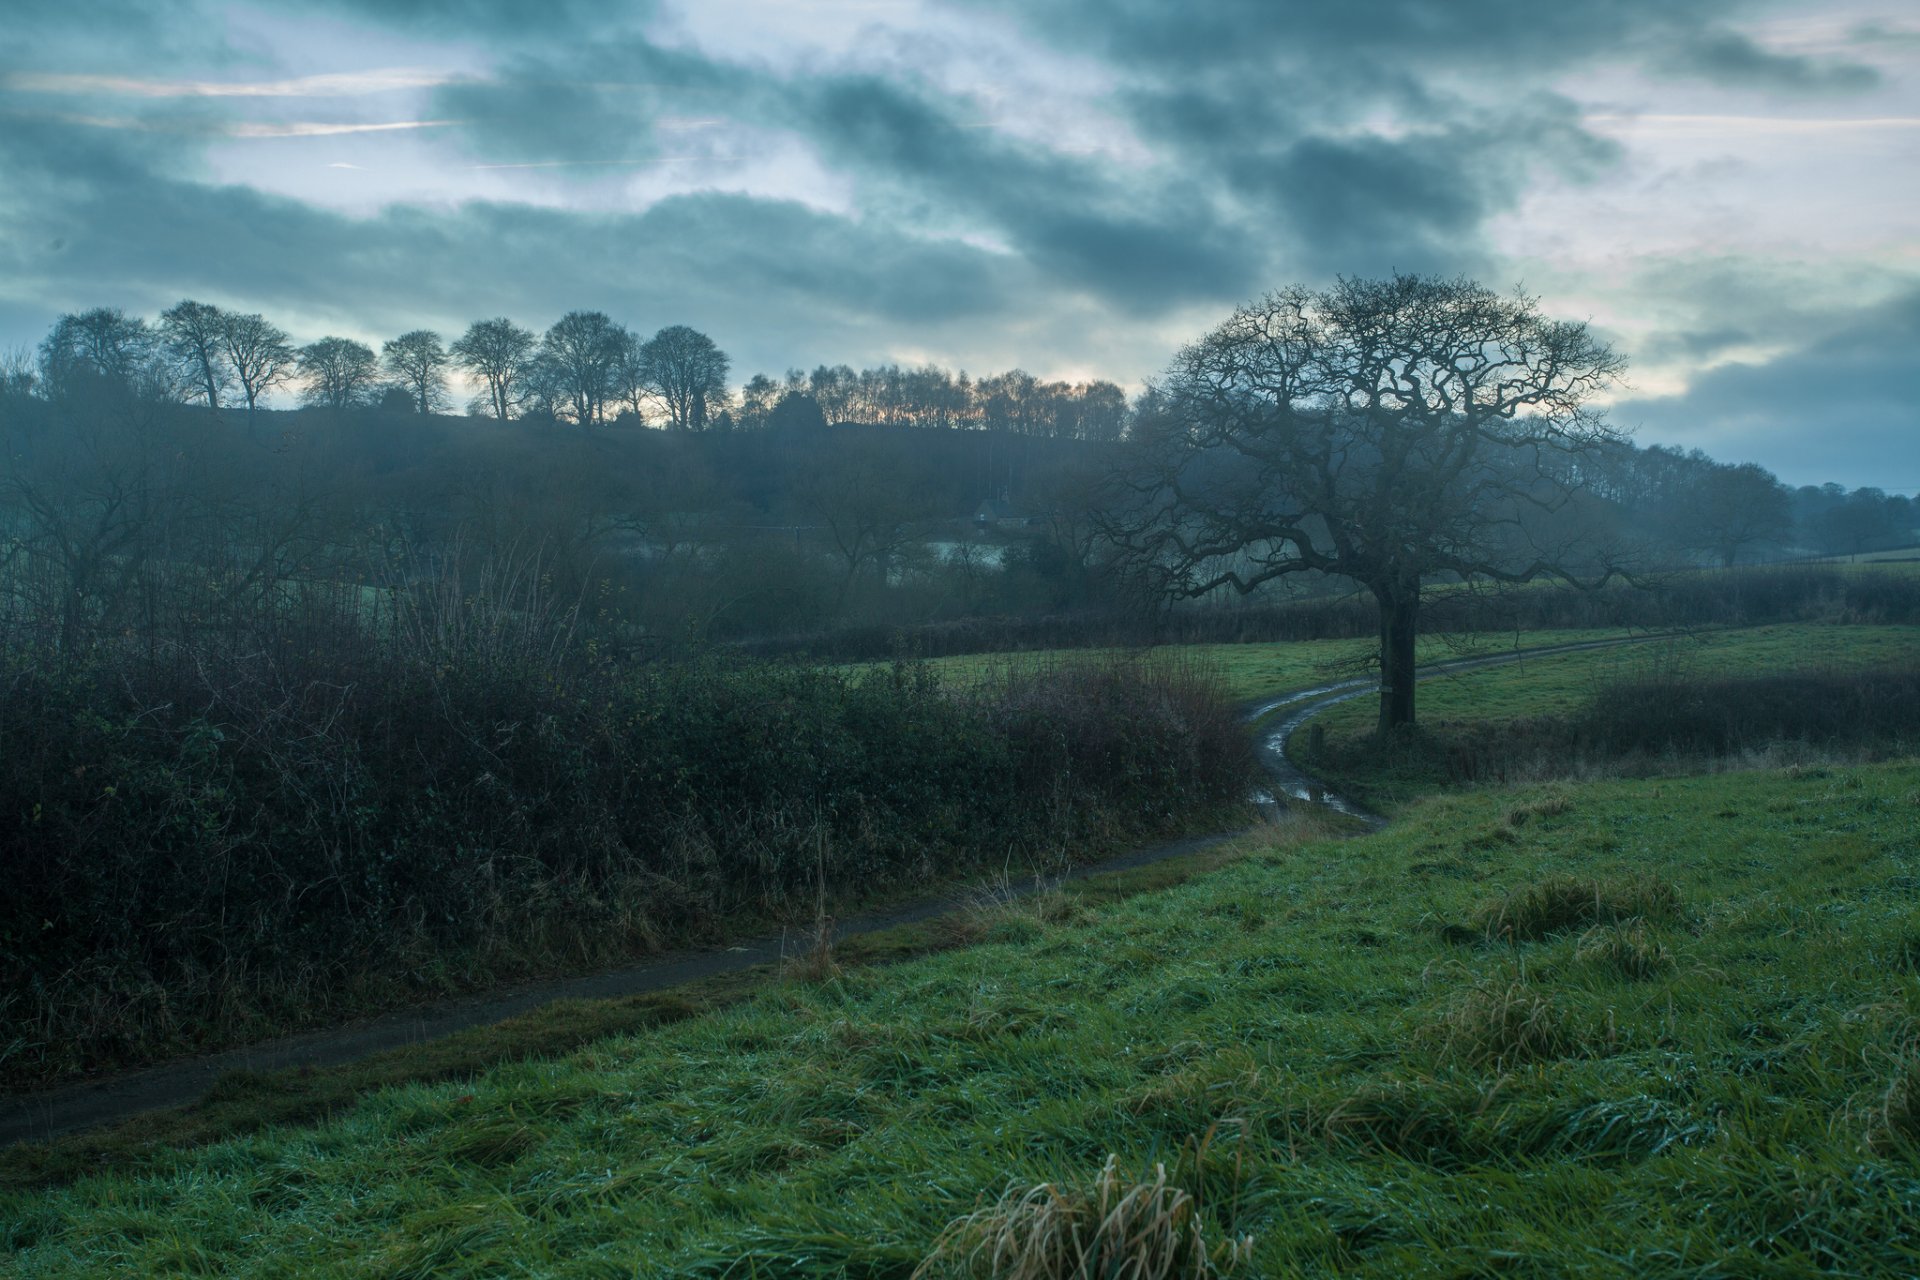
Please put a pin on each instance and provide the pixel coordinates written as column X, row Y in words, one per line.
column 119, row 489
column 587, row 369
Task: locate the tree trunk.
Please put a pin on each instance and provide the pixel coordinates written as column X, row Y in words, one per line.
column 1399, row 625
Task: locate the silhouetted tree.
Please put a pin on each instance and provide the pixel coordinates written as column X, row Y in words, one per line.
column 1380, row 430
column 339, row 372
column 1859, row 522
column 687, row 373
column 497, row 352
column 1731, row 508
column 581, row 354
column 797, row 411
column 418, row 362
column 757, row 400
column 194, row 334
column 101, row 346
column 259, row 356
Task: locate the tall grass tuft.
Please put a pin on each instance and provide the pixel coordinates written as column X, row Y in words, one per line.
column 1562, row 904
column 1117, row 1230
column 1499, row 1025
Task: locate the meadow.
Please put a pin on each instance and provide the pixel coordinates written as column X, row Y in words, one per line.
column 1638, row 1028
column 1604, row 712
column 1595, row 1025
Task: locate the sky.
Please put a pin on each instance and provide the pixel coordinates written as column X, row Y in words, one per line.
column 1728, row 191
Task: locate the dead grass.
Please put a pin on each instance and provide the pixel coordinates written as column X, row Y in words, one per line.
column 1894, row 1122
column 1626, row 948
column 1551, row 805
column 1499, row 1025
column 1562, row 904
column 814, row 961
column 1148, row 1230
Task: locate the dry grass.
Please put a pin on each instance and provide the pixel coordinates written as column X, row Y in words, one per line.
column 815, row 960
column 1562, row 904
column 1004, row 911
column 1625, row 947
column 1894, row 1122
column 1551, row 805
column 1146, row 1230
column 1499, row 1025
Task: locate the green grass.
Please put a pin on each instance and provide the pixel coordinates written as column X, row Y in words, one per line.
column 1556, row 684
column 1254, row 670
column 1325, row 1044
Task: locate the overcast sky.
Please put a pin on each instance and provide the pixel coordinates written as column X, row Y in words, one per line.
column 1727, row 190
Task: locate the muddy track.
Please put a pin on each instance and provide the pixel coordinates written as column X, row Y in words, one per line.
column 49, row 1113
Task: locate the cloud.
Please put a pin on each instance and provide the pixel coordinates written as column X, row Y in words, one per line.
column 1844, row 406
column 773, row 281
column 1729, row 58
column 344, row 84
column 243, row 128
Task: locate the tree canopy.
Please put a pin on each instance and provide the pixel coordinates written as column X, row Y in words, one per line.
column 1385, row 431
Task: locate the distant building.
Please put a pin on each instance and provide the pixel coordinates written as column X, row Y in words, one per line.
column 998, row 513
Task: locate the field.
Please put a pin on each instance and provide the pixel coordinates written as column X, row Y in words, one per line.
column 1642, row 1028
column 1467, row 710
column 1248, row 671
column 1626, row 1026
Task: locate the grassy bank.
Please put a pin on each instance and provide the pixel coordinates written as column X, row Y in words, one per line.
column 1653, row 1028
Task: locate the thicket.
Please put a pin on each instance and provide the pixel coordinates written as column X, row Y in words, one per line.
column 214, row 838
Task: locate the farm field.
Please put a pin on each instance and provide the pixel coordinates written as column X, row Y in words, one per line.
column 1663, row 1027
column 1474, row 704
column 1256, row 669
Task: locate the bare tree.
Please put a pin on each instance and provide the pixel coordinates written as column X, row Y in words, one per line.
column 1733, row 507
column 497, row 352
column 581, row 352
column 865, row 499
column 340, row 372
column 687, row 373
column 101, row 346
column 1381, row 430
column 259, row 355
column 418, row 361
column 194, row 335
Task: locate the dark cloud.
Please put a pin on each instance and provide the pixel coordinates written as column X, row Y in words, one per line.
column 570, row 22
column 1729, row 58
column 1129, row 240
column 599, row 105
column 1845, row 407
column 758, row 274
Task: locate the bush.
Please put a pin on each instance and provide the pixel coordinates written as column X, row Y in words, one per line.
column 205, row 842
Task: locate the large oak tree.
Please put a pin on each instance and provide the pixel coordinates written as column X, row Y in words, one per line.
column 1386, row 431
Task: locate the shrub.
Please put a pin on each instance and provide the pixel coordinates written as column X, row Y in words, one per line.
column 216, row 839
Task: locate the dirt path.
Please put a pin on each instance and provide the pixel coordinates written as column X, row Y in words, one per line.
column 37, row 1116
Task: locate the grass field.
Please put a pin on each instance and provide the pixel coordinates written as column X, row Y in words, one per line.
column 1558, row 684
column 1252, row 670
column 1631, row 1029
